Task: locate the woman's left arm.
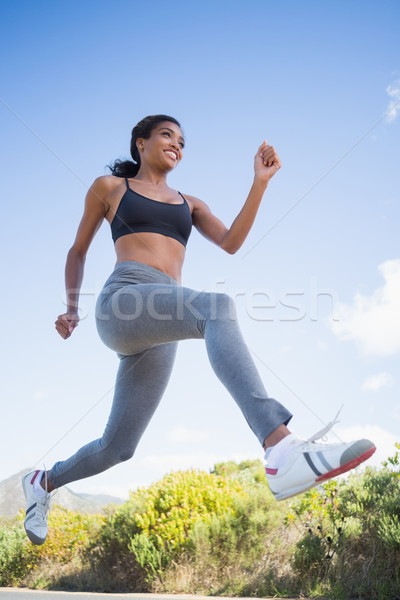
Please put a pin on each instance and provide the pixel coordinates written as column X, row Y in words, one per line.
column 266, row 164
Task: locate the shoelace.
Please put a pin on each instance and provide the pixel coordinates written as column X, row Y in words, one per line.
column 322, row 433
column 43, row 504
column 42, row 508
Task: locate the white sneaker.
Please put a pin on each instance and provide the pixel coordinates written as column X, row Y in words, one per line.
column 309, row 464
column 36, row 510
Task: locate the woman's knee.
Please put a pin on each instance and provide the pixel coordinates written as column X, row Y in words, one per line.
column 115, row 454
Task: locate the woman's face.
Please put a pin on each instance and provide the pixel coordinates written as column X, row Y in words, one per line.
column 164, row 146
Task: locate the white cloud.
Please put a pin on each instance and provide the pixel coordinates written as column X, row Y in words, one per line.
column 373, row 322
column 374, row 383
column 184, row 434
column 384, row 441
column 393, row 90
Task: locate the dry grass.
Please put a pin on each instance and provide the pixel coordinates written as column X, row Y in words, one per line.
column 271, row 574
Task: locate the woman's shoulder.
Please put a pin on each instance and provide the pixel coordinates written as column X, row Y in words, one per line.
column 194, row 203
column 106, row 183
column 192, row 199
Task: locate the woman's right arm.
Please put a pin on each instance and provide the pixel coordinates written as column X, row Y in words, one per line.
column 95, row 210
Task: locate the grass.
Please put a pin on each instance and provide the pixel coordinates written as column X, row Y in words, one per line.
column 223, row 534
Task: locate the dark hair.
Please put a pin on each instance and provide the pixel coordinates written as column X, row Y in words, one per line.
column 127, row 168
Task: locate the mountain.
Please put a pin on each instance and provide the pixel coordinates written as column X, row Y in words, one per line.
column 12, row 498
column 102, row 499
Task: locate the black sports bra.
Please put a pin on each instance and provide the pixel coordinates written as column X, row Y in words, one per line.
column 137, row 213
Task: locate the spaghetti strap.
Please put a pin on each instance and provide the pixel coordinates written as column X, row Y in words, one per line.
column 127, row 183
column 182, row 196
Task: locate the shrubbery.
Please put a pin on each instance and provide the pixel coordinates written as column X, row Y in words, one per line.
column 222, row 533
column 169, row 519
column 68, row 535
column 14, row 555
column 351, row 535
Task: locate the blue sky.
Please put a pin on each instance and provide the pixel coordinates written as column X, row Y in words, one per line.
column 320, row 81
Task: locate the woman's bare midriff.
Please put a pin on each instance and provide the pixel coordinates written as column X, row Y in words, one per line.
column 153, row 249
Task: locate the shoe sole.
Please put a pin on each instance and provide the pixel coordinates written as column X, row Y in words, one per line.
column 334, row 473
column 348, row 466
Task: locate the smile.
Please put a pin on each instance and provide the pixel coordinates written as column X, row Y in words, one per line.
column 172, row 153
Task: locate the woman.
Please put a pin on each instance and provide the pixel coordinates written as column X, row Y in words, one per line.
column 142, row 312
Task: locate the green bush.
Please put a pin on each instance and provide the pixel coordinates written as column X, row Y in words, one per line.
column 68, row 535
column 351, row 535
column 69, row 532
column 15, row 555
column 248, row 472
column 223, row 533
column 389, row 531
column 238, row 535
column 320, row 515
column 154, row 526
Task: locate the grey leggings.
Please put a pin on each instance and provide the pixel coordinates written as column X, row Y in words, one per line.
column 142, row 313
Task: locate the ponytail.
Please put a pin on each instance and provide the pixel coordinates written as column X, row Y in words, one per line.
column 124, row 168
column 127, row 168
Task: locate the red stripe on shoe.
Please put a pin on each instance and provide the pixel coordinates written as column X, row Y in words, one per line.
column 271, row 471
column 34, row 477
column 350, row 465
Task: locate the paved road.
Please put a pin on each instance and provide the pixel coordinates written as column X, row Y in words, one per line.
column 25, row 594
